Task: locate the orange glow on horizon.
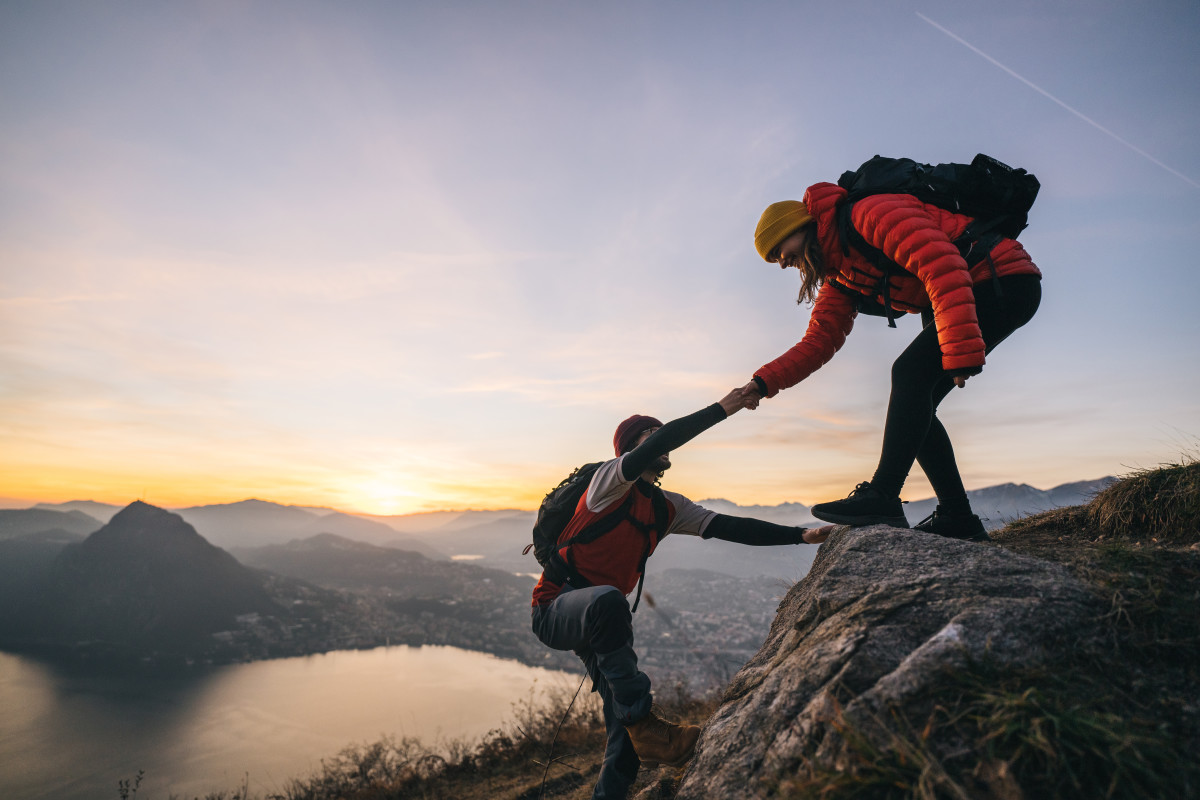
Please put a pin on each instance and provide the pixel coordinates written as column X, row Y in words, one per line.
column 373, row 495
column 23, row 489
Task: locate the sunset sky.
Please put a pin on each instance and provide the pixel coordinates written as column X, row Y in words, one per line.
column 395, row 256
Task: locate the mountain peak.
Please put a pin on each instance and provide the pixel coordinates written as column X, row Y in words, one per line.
column 139, row 513
column 142, row 509
column 149, row 577
column 256, row 502
column 143, row 530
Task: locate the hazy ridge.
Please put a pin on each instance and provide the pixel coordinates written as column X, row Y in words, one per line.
column 321, row 579
column 495, row 535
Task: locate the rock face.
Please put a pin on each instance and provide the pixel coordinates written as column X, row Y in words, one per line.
column 874, row 627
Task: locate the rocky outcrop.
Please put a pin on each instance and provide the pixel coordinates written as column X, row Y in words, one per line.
column 874, row 629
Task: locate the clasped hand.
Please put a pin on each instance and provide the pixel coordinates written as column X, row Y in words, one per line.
column 743, row 397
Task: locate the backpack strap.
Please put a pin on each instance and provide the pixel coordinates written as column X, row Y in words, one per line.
column 976, row 244
column 850, row 237
column 661, row 515
column 609, row 521
column 589, row 533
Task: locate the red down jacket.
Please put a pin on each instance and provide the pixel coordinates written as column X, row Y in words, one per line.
column 918, row 237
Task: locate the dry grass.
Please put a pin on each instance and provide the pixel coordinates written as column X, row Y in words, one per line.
column 1156, row 507
column 557, row 728
column 1160, row 505
column 1007, row 737
column 550, row 748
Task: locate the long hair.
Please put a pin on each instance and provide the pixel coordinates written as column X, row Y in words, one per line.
column 812, row 268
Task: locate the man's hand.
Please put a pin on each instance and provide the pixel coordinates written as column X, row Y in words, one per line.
column 750, row 392
column 961, row 381
column 737, row 399
column 818, row 535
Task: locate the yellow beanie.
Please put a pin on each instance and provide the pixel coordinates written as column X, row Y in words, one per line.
column 778, row 222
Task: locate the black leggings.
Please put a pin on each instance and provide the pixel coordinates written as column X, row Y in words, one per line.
column 919, row 384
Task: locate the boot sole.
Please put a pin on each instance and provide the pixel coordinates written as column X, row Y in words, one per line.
column 858, row 522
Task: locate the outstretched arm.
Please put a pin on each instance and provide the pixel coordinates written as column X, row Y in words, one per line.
column 829, row 324
column 758, row 533
column 679, row 432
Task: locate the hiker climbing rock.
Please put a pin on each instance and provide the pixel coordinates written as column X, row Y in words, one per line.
column 887, row 251
column 597, row 557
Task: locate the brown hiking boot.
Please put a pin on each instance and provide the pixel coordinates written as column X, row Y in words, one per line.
column 657, row 741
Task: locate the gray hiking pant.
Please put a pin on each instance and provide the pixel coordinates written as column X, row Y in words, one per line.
column 596, row 623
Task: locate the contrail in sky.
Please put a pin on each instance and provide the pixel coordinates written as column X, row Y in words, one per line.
column 1043, row 92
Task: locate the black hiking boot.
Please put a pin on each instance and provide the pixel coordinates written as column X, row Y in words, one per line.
column 865, row 506
column 967, row 527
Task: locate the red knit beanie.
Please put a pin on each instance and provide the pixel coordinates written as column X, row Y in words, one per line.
column 629, row 430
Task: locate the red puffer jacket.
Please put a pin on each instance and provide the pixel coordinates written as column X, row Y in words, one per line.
column 918, row 237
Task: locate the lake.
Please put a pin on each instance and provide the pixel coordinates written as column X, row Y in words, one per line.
column 72, row 736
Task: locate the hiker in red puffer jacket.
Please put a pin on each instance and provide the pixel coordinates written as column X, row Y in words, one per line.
column 966, row 311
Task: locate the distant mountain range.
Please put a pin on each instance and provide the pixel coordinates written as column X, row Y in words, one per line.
column 144, row 581
column 336, row 562
column 15, row 523
column 1000, row 505
column 495, row 538
column 147, row 588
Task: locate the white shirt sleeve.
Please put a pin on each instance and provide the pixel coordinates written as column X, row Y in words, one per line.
column 607, row 486
column 690, row 519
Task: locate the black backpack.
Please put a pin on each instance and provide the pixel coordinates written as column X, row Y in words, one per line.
column 996, row 195
column 555, row 513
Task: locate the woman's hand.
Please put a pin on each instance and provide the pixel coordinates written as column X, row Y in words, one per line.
column 737, row 399
column 750, row 392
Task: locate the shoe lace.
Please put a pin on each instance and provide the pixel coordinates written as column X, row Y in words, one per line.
column 866, row 488
column 657, row 725
column 933, row 517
